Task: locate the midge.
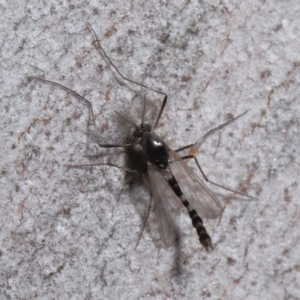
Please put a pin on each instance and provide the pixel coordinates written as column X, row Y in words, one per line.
column 171, row 181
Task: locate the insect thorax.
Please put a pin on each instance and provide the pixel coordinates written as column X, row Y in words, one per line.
column 155, row 149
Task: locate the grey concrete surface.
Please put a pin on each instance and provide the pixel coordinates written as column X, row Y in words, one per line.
column 70, row 234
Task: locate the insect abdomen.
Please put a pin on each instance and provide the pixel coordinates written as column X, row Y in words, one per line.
column 197, row 222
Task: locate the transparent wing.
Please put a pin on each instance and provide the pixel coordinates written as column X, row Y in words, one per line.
column 163, row 196
column 201, row 198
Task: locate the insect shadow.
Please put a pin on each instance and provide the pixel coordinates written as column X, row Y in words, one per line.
column 170, row 181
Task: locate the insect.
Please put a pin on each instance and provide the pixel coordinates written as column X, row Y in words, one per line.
column 172, row 183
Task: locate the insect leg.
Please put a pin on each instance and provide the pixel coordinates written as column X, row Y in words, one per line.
column 117, row 145
column 97, row 41
column 144, row 224
column 185, row 147
column 214, row 183
column 205, row 136
column 101, row 164
column 76, row 95
column 124, row 169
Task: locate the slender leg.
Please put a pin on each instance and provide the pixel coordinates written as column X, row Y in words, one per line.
column 116, row 145
column 219, row 128
column 144, row 223
column 185, row 147
column 211, row 182
column 101, row 164
column 97, row 41
column 205, row 136
column 87, row 103
column 76, row 95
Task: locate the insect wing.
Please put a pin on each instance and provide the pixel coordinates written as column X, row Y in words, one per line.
column 162, row 196
column 201, row 198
